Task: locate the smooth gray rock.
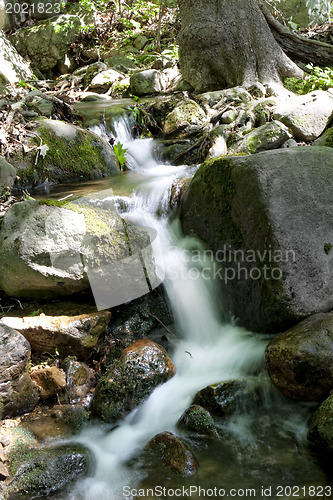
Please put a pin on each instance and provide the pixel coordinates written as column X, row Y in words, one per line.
column 306, row 115
column 267, row 219
column 49, row 251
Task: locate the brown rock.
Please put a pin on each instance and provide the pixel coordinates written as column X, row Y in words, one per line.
column 173, row 453
column 71, row 335
column 49, row 380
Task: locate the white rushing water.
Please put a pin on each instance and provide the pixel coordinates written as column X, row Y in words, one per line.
column 208, row 351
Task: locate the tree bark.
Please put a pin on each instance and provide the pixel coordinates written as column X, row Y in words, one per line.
column 226, row 43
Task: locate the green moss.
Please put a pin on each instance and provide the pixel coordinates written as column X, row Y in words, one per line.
column 327, row 248
column 80, row 157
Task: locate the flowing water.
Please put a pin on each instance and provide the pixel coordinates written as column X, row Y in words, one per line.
column 263, row 444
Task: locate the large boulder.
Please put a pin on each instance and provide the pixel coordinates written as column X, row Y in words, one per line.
column 141, row 367
column 306, row 115
column 17, row 393
column 46, row 43
column 74, row 335
column 267, row 220
column 186, row 117
column 13, row 67
column 51, row 249
column 300, row 360
column 320, row 426
column 70, row 153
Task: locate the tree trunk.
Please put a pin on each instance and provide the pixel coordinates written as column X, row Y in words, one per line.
column 226, row 43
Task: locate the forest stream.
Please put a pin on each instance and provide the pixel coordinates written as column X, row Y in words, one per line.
column 261, row 449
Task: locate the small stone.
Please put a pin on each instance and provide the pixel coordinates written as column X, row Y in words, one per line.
column 49, row 380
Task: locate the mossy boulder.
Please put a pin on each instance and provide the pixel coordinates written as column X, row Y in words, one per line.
column 72, row 153
column 51, row 249
column 147, row 82
column 171, row 453
column 321, row 425
column 269, row 136
column 43, row 471
column 17, row 393
column 46, row 43
column 267, row 220
column 141, row 367
column 300, row 360
column 186, row 117
column 197, row 419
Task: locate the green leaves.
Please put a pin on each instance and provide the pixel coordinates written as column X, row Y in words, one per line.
column 120, row 154
column 318, row 79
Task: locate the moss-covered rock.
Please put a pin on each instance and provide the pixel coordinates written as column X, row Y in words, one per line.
column 269, row 136
column 197, row 419
column 187, row 117
column 326, row 139
column 321, row 425
column 52, row 248
column 267, row 219
column 141, row 367
column 72, row 154
column 172, row 453
column 46, row 43
column 7, row 178
column 43, row 471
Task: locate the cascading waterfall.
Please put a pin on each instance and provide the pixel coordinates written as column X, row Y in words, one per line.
column 207, row 351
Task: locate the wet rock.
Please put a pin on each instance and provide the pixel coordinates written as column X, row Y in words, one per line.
column 320, row 426
column 141, row 367
column 147, row 82
column 49, row 380
column 177, row 191
column 269, row 136
column 70, row 335
column 17, row 393
column 52, row 249
column 197, row 419
column 173, row 453
column 225, row 398
column 186, row 117
column 300, row 360
column 43, row 471
column 306, row 115
column 272, row 244
column 14, row 68
column 72, row 154
column 78, row 380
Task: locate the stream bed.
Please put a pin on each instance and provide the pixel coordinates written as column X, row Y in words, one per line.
column 262, row 450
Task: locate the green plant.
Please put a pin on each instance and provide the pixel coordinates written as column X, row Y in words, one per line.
column 120, row 154
column 318, row 79
column 26, row 85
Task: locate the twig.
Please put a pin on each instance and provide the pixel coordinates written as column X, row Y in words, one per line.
column 161, row 323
